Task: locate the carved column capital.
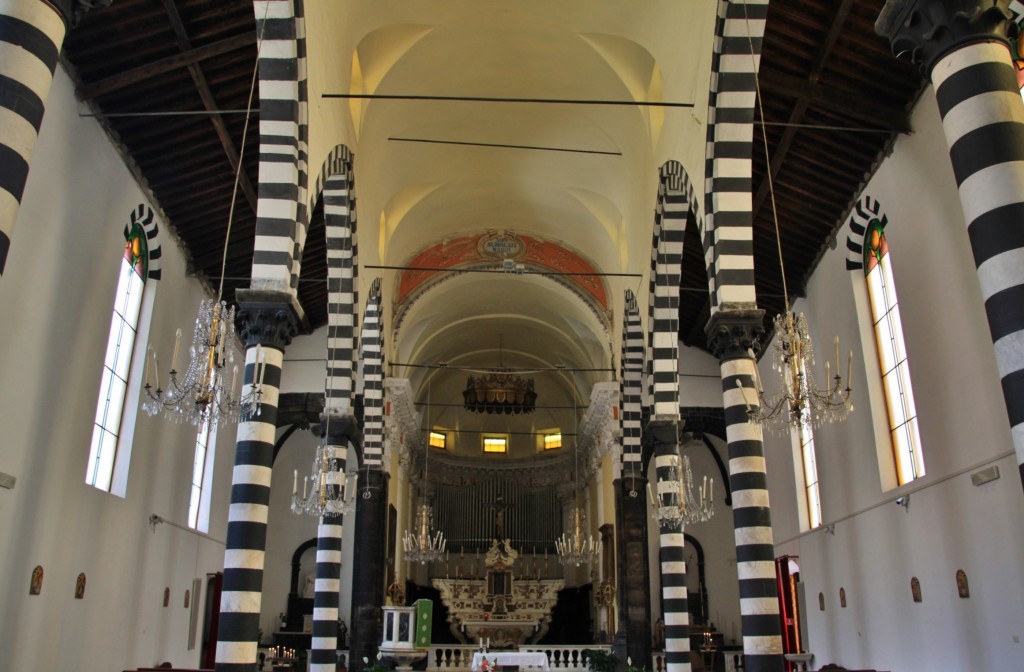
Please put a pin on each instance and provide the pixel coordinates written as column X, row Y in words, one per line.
column 72, row 11
column 665, row 435
column 339, row 429
column 930, row 29
column 266, row 318
column 732, row 334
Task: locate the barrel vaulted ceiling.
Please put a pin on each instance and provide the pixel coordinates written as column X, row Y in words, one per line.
column 437, row 180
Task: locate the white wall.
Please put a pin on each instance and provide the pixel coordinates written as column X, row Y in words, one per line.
column 878, row 546
column 56, row 296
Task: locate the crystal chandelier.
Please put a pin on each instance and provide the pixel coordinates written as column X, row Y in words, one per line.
column 577, row 548
column 426, row 545
column 199, row 395
column 686, row 505
column 499, row 392
column 330, row 490
column 800, row 401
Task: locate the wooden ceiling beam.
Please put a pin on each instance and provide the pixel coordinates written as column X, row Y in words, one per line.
column 210, row 103
column 185, row 58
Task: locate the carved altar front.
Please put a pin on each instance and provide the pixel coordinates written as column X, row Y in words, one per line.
column 499, row 608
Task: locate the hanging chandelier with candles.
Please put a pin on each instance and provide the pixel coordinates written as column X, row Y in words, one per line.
column 427, row 544
column 329, row 494
column 799, row 402
column 199, row 394
column 690, row 505
column 424, row 544
column 577, row 548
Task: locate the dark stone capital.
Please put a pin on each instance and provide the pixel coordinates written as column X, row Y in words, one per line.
column 72, row 11
column 266, row 318
column 339, row 429
column 665, row 435
column 733, row 333
column 930, row 29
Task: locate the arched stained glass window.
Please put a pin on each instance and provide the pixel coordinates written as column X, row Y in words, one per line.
column 117, row 362
column 892, row 354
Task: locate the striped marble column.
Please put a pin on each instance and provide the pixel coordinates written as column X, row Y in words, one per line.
column 675, row 607
column 323, row 658
column 962, row 46
column 631, row 367
column 731, row 334
column 31, row 35
column 268, row 320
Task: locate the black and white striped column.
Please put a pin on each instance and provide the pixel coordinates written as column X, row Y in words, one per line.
column 339, row 423
column 728, row 239
column 281, row 208
column 962, row 46
column 675, row 609
column 31, row 35
column 731, row 334
column 339, row 429
column 268, row 320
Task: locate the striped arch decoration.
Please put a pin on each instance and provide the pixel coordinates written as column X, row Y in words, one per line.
column 631, row 387
column 31, row 35
column 281, row 214
column 143, row 216
column 675, row 201
column 371, row 346
column 866, row 210
column 728, row 237
column 337, row 184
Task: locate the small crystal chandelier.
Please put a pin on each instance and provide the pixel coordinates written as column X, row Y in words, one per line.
column 330, row 492
column 577, row 548
column 199, row 395
column 427, row 545
column 686, row 505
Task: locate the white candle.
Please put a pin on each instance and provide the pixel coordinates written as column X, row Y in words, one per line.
column 263, row 365
column 177, row 346
column 711, row 493
column 149, row 349
column 305, row 485
column 256, row 365
column 156, row 368
column 234, row 377
column 837, row 353
column 849, row 369
column 295, row 483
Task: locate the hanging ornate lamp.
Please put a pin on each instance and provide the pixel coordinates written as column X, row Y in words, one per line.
column 424, row 544
column 687, row 504
column 577, row 547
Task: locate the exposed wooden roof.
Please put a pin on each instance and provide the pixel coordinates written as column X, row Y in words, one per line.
column 822, row 65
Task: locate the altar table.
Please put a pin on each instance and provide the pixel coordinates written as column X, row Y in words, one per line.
column 532, row 659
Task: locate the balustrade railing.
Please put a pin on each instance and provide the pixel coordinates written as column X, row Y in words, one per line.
column 564, row 658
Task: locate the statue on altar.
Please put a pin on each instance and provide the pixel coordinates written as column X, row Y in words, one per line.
column 500, row 555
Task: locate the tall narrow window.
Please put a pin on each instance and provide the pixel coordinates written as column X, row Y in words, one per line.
column 892, row 355
column 118, row 359
column 810, row 473
column 201, row 468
